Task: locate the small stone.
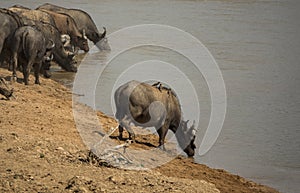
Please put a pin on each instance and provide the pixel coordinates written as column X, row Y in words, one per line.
column 7, row 184
column 60, row 149
column 15, row 135
column 116, row 179
column 82, row 189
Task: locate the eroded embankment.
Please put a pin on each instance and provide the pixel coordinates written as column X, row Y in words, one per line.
column 42, row 151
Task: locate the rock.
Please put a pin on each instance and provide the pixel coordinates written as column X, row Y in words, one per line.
column 82, row 189
column 61, row 149
column 5, row 90
column 82, row 184
column 117, row 180
column 15, row 136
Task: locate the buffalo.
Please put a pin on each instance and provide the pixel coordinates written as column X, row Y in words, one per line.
column 84, row 23
column 18, row 8
column 66, row 25
column 35, row 15
column 147, row 106
column 31, row 48
column 9, row 22
column 64, row 59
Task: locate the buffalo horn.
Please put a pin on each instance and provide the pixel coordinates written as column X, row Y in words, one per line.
column 83, row 34
column 103, row 34
column 194, row 130
column 52, row 45
column 71, row 54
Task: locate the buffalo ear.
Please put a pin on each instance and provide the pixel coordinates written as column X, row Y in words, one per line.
column 186, row 124
column 193, row 146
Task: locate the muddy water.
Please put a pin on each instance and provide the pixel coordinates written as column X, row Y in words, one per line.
column 256, row 46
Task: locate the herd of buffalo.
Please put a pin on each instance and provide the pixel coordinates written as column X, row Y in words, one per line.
column 32, row 38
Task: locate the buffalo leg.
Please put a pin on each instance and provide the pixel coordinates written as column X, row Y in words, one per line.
column 26, row 71
column 36, row 73
column 125, row 123
column 121, row 129
column 14, row 65
column 162, row 132
column 2, row 58
column 25, row 75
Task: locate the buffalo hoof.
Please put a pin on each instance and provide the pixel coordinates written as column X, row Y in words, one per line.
column 132, row 138
column 120, row 137
column 86, row 50
column 10, row 68
column 162, row 147
column 73, row 69
column 47, row 74
column 70, row 68
column 190, row 153
column 13, row 79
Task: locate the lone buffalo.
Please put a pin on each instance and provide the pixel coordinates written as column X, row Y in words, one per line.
column 147, row 106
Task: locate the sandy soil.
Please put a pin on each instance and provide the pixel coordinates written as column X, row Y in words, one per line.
column 41, row 151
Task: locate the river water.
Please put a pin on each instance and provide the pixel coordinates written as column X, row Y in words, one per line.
column 257, row 48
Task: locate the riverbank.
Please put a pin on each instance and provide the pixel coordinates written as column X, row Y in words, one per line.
column 41, row 151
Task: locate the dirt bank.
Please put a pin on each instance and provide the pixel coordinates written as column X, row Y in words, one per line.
column 41, row 151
